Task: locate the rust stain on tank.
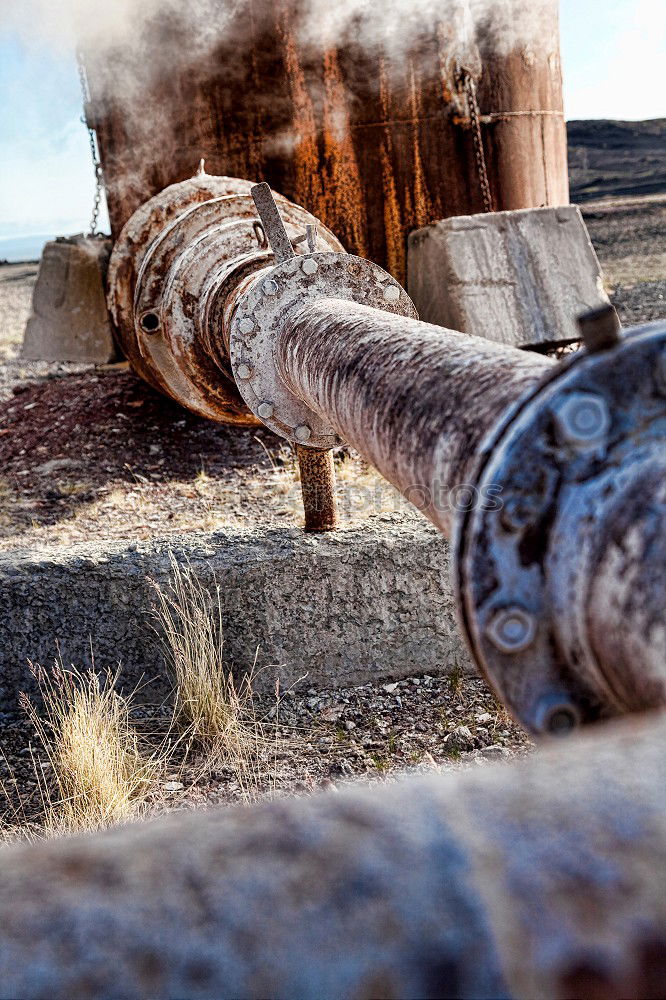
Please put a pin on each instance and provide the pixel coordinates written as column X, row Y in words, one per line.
column 423, row 210
column 393, row 223
column 338, row 131
column 308, row 182
column 345, row 210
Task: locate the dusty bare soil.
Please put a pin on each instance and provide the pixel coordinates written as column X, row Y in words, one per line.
column 97, row 453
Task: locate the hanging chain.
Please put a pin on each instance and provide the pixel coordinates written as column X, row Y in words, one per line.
column 477, row 137
column 94, row 152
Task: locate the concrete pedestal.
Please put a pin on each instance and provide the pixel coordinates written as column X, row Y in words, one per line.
column 346, row 608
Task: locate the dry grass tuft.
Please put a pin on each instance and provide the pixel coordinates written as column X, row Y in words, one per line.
column 94, row 769
column 215, row 713
column 100, row 773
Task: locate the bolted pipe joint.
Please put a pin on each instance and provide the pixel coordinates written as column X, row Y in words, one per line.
column 174, row 273
column 559, row 544
column 562, row 587
column 262, row 308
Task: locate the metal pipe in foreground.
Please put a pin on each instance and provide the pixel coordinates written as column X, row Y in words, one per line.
column 553, row 476
column 546, row 475
column 414, row 399
column 543, row 879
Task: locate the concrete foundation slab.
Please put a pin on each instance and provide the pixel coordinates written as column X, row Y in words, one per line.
column 70, row 320
column 519, row 278
column 358, row 605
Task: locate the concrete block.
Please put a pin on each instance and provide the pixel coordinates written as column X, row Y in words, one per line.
column 70, row 320
column 345, row 608
column 519, row 278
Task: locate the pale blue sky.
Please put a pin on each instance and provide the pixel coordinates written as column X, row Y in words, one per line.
column 613, row 58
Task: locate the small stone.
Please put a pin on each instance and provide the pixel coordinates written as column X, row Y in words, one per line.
column 332, row 713
column 173, row 786
column 56, row 465
column 494, row 750
column 390, row 688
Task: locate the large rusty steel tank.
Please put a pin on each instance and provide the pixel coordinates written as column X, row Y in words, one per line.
column 376, row 117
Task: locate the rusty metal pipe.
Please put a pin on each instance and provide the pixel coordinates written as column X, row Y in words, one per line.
column 546, row 878
column 177, row 264
column 621, row 573
column 414, row 399
column 318, row 488
column 527, row 462
column 550, row 476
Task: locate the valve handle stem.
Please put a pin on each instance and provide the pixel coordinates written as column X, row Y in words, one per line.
column 272, row 222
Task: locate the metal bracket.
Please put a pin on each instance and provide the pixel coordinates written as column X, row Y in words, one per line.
column 272, row 222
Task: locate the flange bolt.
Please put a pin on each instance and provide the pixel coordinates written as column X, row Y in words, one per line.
column 555, row 715
column 391, row 293
column 511, row 630
column 600, row 329
column 582, row 419
column 303, row 433
column 265, row 410
column 243, row 371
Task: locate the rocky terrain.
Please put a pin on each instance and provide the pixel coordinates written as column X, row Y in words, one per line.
column 613, row 158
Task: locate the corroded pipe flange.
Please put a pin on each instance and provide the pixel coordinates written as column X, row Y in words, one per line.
column 575, row 466
column 176, row 262
column 260, row 314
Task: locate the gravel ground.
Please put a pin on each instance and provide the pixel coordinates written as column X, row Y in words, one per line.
column 86, row 451
column 629, row 235
column 314, row 740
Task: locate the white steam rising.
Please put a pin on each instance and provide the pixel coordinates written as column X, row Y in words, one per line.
column 99, row 25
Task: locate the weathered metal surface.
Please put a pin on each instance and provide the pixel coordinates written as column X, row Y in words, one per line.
column 546, row 878
column 572, row 565
column 364, row 123
column 260, row 309
column 416, row 400
column 551, row 474
column 272, row 222
column 69, row 319
column 174, row 267
column 318, row 488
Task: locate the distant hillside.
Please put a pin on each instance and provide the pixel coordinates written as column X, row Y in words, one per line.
column 616, row 158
